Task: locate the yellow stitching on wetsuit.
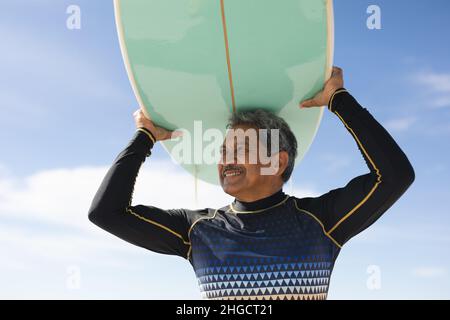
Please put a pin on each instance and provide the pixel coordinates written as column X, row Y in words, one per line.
column 371, row 191
column 192, row 226
column 134, row 184
column 146, row 219
column 189, row 252
column 332, row 98
column 260, row 210
column 151, row 138
column 157, row 224
column 318, row 221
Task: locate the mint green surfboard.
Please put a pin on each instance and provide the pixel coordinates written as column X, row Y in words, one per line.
column 201, row 60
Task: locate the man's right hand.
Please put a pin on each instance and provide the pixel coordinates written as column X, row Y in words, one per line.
column 158, row 132
column 321, row 99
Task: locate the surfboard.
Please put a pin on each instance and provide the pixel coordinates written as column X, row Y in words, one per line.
column 201, row 60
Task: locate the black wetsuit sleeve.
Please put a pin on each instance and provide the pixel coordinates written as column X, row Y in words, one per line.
column 346, row 211
column 158, row 230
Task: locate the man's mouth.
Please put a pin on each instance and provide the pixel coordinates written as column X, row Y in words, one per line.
column 232, row 172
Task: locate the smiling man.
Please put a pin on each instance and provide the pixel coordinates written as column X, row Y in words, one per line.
column 266, row 244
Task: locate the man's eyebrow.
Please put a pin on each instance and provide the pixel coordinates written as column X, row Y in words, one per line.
column 246, row 145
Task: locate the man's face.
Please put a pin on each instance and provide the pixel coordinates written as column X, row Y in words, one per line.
column 240, row 167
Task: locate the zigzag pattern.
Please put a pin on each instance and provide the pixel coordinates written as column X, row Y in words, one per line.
column 275, row 257
column 283, row 281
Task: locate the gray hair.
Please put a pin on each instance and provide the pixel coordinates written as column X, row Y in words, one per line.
column 263, row 119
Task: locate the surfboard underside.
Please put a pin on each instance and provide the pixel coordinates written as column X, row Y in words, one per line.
column 201, row 60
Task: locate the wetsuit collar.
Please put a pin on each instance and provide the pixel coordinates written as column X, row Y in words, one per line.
column 259, row 205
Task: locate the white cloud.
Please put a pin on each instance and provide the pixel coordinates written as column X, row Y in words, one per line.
column 44, row 216
column 44, row 229
column 438, row 86
column 438, row 82
column 441, row 102
column 63, row 196
column 335, row 162
column 39, row 235
column 429, row 272
column 433, row 234
column 401, row 124
column 25, row 247
column 435, row 169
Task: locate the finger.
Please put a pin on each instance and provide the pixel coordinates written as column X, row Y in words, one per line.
column 144, row 114
column 168, row 135
column 337, row 71
column 308, row 103
column 138, row 114
column 176, row 134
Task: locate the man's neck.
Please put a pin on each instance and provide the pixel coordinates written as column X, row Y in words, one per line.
column 261, row 203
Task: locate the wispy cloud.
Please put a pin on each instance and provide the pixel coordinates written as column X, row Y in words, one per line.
column 53, row 71
column 442, row 102
column 335, row 162
column 429, row 272
column 432, row 235
column 26, row 246
column 400, row 124
column 435, row 169
column 437, row 84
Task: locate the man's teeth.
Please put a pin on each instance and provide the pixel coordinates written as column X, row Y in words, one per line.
column 231, row 173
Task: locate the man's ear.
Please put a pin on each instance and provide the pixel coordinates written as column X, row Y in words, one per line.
column 283, row 160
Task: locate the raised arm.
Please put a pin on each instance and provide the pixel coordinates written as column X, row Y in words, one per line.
column 158, row 230
column 346, row 211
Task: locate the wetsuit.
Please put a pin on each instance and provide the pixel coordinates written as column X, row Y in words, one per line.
column 279, row 247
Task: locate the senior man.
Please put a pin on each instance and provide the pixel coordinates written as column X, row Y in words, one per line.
column 266, row 244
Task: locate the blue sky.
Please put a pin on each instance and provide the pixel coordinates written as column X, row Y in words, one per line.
column 66, row 111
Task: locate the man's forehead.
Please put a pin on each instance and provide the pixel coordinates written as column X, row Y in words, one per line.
column 240, row 135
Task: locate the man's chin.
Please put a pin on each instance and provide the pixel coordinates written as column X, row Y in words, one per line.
column 231, row 189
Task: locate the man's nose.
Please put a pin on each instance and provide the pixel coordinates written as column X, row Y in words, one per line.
column 233, row 157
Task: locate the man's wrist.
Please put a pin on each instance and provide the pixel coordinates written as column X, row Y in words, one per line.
column 148, row 133
column 333, row 96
